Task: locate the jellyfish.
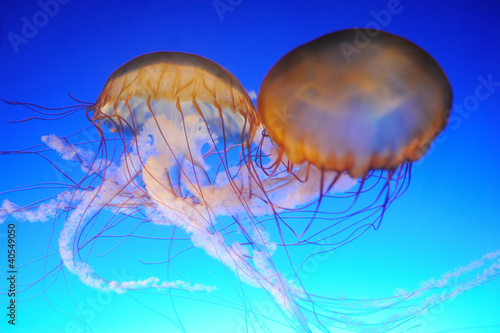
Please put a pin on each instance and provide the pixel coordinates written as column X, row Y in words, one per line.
column 176, row 138
column 376, row 107
column 369, row 111
column 181, row 147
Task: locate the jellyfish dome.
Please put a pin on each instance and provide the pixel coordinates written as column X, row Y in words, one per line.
column 175, row 85
column 347, row 108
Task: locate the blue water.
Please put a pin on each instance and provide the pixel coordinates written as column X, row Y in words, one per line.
column 448, row 217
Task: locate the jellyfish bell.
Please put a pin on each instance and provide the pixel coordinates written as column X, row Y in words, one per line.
column 376, row 108
column 175, row 85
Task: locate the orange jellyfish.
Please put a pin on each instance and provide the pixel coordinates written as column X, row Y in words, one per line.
column 183, row 125
column 360, row 102
column 178, row 133
column 352, row 109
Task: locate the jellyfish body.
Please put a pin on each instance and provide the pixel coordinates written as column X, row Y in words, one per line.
column 352, row 109
column 334, row 107
column 176, row 85
column 186, row 126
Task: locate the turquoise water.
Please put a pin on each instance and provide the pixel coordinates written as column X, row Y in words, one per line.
column 447, row 218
